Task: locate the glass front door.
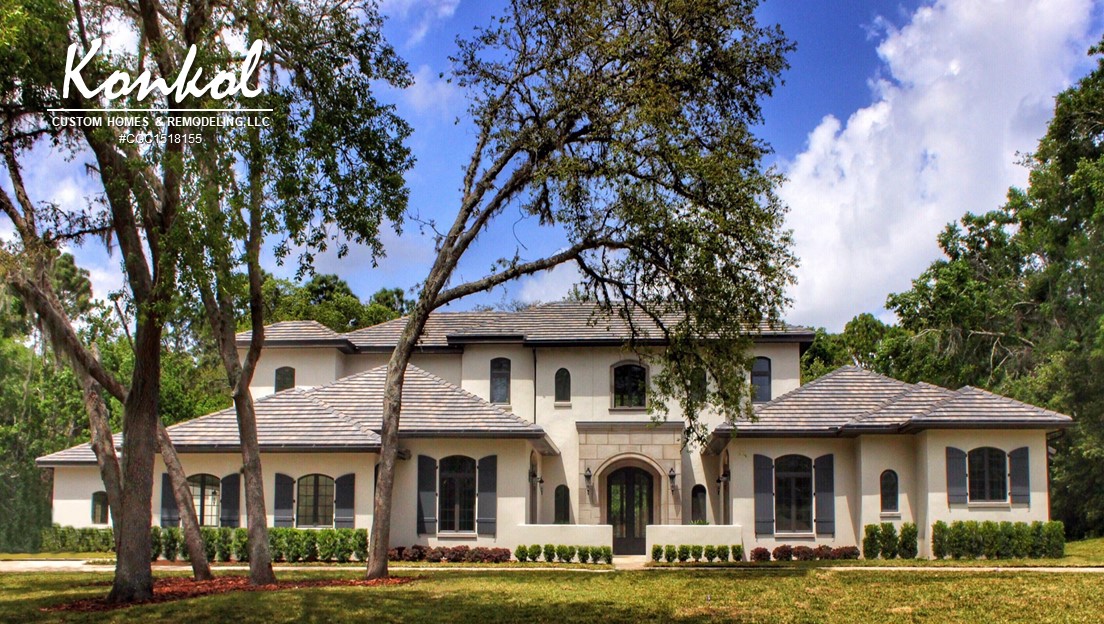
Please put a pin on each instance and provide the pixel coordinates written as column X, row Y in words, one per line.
column 629, row 509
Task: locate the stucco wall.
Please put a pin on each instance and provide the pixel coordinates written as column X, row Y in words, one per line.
column 73, row 488
column 313, row 367
column 932, row 464
column 876, row 454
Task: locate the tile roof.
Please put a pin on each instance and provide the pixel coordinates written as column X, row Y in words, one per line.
column 550, row 323
column 292, row 333
column 850, row 400
column 344, row 416
column 435, row 335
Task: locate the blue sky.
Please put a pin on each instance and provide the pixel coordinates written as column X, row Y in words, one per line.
column 895, row 118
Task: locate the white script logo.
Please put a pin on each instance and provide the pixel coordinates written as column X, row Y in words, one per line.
column 119, row 83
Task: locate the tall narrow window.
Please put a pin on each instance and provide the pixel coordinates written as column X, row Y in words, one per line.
column 500, row 380
column 988, row 474
column 699, row 385
column 205, row 496
column 456, row 494
column 285, row 378
column 630, row 383
column 793, row 494
column 697, row 504
column 563, row 505
column 889, row 492
column 315, row 504
column 761, row 379
column 563, row 386
column 99, row 508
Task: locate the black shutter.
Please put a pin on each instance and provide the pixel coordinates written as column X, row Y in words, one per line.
column 486, row 507
column 427, row 495
column 1021, row 476
column 285, row 501
column 345, row 494
column 170, row 514
column 824, row 495
column 764, row 495
column 230, row 492
column 956, row 476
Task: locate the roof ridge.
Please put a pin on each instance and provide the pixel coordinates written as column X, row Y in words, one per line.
column 309, row 395
column 453, row 386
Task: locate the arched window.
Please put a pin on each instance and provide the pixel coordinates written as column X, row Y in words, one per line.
column 285, row 378
column 630, row 383
column 500, row 380
column 563, row 386
column 988, row 471
column 889, row 492
column 563, row 505
column 205, row 497
column 697, row 504
column 456, row 494
column 793, row 494
column 99, row 508
column 761, row 379
column 314, row 506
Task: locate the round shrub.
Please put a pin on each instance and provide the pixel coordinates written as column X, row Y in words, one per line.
column 657, row 552
column 607, row 554
column 535, row 553
column 521, row 553
column 722, row 552
column 909, row 544
column 823, row 552
column 783, row 552
column 872, row 543
column 760, row 554
column 738, row 552
column 549, row 553
column 696, row 552
column 584, row 553
column 710, row 553
column 845, row 552
column 803, row 553
column 887, row 539
column 683, row 553
column 670, row 553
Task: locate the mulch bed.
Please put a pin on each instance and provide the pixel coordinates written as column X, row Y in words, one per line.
column 171, row 589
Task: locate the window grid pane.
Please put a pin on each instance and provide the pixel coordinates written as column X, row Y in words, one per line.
column 204, row 489
column 793, row 505
column 315, row 503
column 500, row 380
column 761, row 380
column 988, row 475
column 629, row 386
column 456, row 494
column 99, row 508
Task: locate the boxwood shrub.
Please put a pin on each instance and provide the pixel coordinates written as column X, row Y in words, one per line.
column 872, row 541
column 1004, row 540
column 670, row 553
column 710, row 553
column 909, row 544
column 888, row 540
column 696, row 552
column 722, row 552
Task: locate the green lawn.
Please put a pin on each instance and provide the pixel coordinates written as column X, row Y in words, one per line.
column 740, row 595
column 58, row 556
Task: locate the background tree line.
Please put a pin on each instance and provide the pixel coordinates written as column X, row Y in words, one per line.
column 40, row 407
column 1016, row 305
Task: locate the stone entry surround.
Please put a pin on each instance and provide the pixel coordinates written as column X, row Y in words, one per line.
column 607, row 446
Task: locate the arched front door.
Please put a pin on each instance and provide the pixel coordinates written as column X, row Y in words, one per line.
column 629, row 508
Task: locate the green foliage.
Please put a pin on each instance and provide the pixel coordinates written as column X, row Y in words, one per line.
column 328, row 544
column 521, row 553
column 990, row 539
column 170, row 543
column 909, row 544
column 710, row 553
column 535, row 552
column 329, row 300
column 241, row 544
column 607, row 555
column 738, row 552
column 723, row 552
column 210, row 537
column 683, row 553
column 1054, row 536
column 888, row 540
column 549, row 553
column 584, row 553
column 872, row 541
column 155, row 542
column 696, row 552
column 562, row 554
column 657, row 552
column 940, row 540
column 670, row 553
column 360, row 544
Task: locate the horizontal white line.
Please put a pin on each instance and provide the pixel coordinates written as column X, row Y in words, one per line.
column 151, row 110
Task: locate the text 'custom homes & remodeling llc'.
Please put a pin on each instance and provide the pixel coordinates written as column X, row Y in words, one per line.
column 163, row 120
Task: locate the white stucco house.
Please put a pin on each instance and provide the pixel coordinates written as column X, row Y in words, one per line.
column 531, row 427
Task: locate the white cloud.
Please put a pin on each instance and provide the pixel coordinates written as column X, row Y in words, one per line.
column 551, row 285
column 967, row 85
column 419, row 15
column 431, row 93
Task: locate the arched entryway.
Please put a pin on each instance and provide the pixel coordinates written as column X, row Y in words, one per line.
column 630, row 508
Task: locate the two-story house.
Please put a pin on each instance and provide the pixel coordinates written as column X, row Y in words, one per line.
column 532, row 427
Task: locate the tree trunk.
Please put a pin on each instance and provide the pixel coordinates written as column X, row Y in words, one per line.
column 260, row 560
column 189, row 523
column 380, row 537
column 133, row 572
column 103, row 445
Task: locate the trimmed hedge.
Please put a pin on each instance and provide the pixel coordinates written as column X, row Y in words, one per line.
column 1004, row 540
column 68, row 539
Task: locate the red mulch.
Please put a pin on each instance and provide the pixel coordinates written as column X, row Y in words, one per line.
column 180, row 588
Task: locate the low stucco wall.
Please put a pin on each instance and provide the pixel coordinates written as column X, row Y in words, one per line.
column 693, row 534
column 566, row 534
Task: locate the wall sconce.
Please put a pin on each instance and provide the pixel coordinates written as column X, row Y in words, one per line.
column 588, row 475
column 721, row 480
column 672, row 476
